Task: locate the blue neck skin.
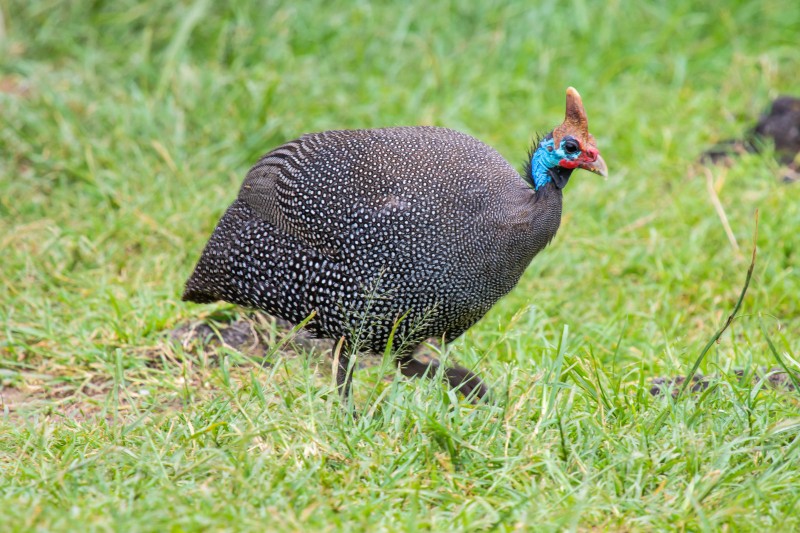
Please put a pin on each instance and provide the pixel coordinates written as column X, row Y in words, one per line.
column 544, row 159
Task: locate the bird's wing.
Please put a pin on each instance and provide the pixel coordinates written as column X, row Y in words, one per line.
column 278, row 189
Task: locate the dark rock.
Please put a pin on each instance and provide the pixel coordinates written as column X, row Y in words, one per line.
column 663, row 384
column 239, row 334
column 723, row 152
column 780, row 127
column 776, row 378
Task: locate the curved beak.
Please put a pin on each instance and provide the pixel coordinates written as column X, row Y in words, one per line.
column 598, row 166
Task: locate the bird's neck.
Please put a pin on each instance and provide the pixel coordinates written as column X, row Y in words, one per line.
column 544, row 166
column 531, row 221
column 535, row 212
column 544, row 215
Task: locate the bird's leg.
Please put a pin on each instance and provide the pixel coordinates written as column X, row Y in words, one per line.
column 467, row 382
column 459, row 378
column 344, row 378
column 344, row 374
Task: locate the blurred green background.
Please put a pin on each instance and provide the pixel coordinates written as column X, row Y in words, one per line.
column 126, row 128
column 129, row 126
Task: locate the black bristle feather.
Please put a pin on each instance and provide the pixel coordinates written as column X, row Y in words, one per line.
column 526, row 166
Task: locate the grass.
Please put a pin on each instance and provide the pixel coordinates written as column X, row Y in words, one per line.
column 126, row 130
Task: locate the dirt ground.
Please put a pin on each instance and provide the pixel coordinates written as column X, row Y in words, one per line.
column 88, row 393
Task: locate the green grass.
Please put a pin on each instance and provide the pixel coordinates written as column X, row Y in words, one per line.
column 125, row 130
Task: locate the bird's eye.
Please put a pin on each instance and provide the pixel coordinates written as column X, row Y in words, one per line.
column 571, row 146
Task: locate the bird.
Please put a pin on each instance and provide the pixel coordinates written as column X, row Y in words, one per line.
column 391, row 236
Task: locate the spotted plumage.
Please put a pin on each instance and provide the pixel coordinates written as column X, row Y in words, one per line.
column 414, row 230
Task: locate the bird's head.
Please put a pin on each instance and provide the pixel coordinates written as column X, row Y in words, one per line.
column 566, row 148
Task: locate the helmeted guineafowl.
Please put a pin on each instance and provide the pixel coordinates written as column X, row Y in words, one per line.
column 405, row 233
